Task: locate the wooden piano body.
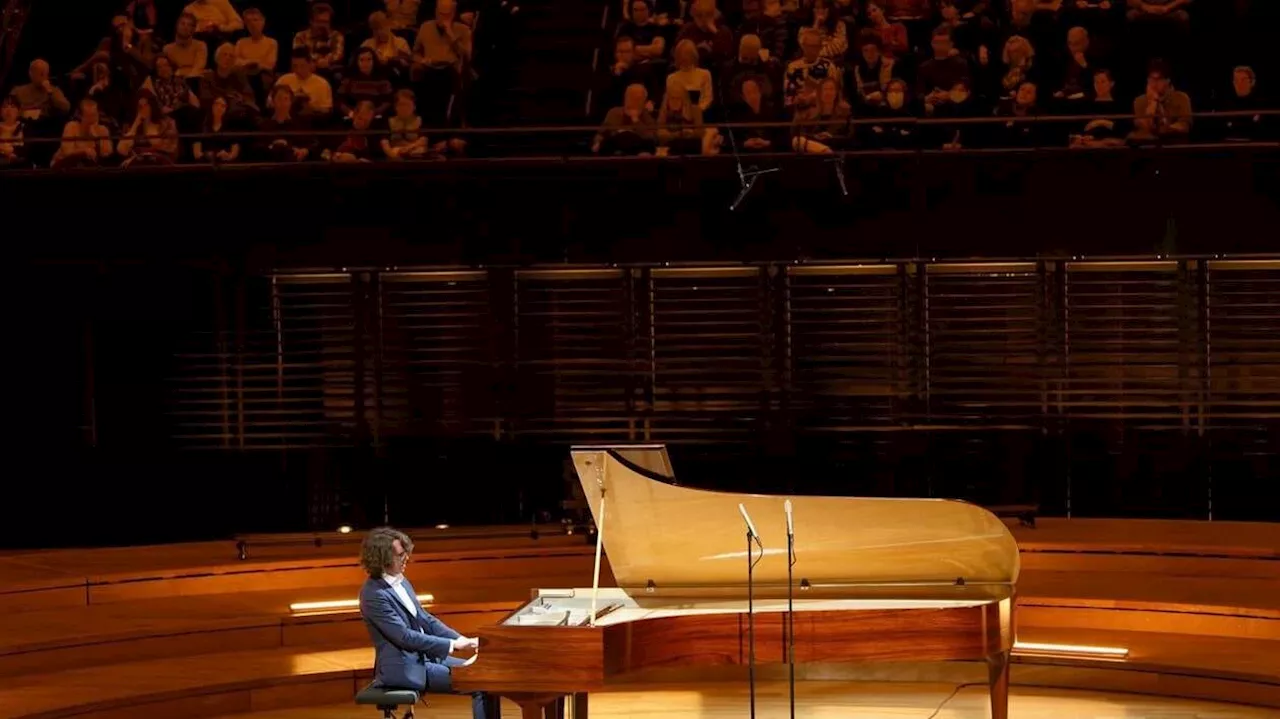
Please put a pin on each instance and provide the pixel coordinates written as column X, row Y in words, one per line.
column 876, row 580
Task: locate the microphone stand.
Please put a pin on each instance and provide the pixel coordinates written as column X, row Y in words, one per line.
column 751, row 609
column 791, row 617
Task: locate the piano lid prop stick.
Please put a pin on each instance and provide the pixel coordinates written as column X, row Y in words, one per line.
column 595, row 580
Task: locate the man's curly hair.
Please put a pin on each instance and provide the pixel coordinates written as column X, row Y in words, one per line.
column 377, row 552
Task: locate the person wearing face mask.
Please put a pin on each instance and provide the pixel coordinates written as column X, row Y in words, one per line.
column 896, row 106
column 957, row 104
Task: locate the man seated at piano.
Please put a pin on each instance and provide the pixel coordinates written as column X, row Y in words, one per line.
column 413, row 649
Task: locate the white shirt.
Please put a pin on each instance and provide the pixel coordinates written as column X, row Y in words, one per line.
column 397, row 583
column 317, row 89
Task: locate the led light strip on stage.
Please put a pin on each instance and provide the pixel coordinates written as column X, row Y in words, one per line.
column 339, row 606
column 1069, row 651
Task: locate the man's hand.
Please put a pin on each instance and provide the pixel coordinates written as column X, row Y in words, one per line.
column 465, row 643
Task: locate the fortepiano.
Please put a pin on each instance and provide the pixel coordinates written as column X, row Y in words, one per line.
column 875, row 580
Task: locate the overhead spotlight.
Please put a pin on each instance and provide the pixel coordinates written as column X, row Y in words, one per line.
column 442, row 526
column 344, row 529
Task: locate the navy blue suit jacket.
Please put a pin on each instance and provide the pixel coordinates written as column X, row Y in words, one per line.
column 404, row 644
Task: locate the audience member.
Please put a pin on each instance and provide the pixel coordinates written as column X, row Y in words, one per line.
column 12, row 151
column 871, row 74
column 1162, row 113
column 644, row 31
column 893, row 35
column 403, row 15
column 177, row 100
column 214, row 146
column 366, row 82
column 822, row 121
column 215, row 18
column 323, row 44
column 85, row 140
column 942, row 72
column 152, row 138
column 406, row 140
column 40, row 99
column 764, row 20
column 392, row 51
column 694, row 80
column 227, row 81
column 359, row 145
column 752, row 64
column 805, row 72
column 282, row 139
column 312, row 93
column 1103, row 131
column 188, row 55
column 1243, row 97
column 256, row 53
column 680, row 129
column 829, row 28
column 629, row 129
column 714, row 42
column 754, row 108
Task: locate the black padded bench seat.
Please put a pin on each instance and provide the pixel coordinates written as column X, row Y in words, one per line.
column 388, row 699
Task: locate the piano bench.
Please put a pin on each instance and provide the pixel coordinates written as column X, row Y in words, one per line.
column 388, row 700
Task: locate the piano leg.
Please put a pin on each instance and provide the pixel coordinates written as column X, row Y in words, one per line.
column 998, row 675
column 580, row 705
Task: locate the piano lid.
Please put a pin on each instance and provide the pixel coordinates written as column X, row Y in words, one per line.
column 668, row 541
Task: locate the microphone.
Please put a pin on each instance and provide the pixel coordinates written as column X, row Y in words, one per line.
column 791, row 527
column 751, row 528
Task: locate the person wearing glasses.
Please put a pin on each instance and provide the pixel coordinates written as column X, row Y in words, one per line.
column 414, row 650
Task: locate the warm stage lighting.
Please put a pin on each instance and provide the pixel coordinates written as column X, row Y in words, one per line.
column 442, row 526
column 339, row 606
column 1069, row 651
column 344, row 529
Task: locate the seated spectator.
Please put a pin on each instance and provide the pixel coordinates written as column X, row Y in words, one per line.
column 893, row 35
column 85, row 140
column 680, row 130
column 829, row 28
column 943, row 71
column 214, row 18
column 230, row 83
column 114, row 100
column 822, row 121
column 214, row 146
column 323, row 44
column 1104, row 131
column 403, row 15
column 188, row 55
column 142, row 15
column 406, row 141
column 896, row 106
column 367, row 82
column 393, row 52
column 281, row 140
column 766, row 22
column 871, row 74
column 152, row 138
column 906, row 10
column 957, row 103
column 312, row 93
column 625, row 71
column 1022, row 130
column 714, row 42
column 805, row 72
column 443, row 42
column 754, row 108
column 1077, row 77
column 694, row 80
column 360, row 145
column 176, row 97
column 1162, row 113
column 257, row 54
column 647, row 34
column 12, row 152
column 1243, row 97
column 750, row 64
column 1159, row 11
column 967, row 31
column 40, row 99
column 629, row 129
column 1018, row 66
column 127, row 53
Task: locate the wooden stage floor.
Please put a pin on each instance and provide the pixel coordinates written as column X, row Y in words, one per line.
column 829, row 700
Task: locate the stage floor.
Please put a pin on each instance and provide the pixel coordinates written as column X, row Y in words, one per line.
column 831, row 700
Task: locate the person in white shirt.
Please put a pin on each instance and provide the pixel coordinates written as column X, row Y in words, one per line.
column 313, row 92
column 413, row 648
column 214, row 17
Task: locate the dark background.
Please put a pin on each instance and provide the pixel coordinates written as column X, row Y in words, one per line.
column 193, row 354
